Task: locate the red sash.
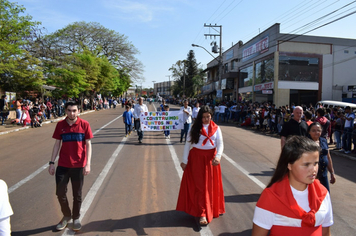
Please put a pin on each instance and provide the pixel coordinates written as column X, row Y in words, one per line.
column 212, row 128
column 279, row 199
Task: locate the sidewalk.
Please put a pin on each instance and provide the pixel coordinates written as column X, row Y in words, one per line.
column 9, row 128
column 351, row 156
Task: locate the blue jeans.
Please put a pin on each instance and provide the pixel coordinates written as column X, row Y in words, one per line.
column 127, row 128
column 18, row 114
column 216, row 116
column 184, row 132
column 346, row 139
column 337, row 135
column 139, row 130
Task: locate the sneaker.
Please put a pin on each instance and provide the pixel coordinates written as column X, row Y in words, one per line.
column 140, row 140
column 126, row 135
column 76, row 225
column 169, row 137
column 64, row 222
column 341, row 150
column 347, row 152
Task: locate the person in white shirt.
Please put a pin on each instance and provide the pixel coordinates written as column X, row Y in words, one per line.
column 216, row 112
column 201, row 191
column 195, row 111
column 5, row 210
column 187, row 119
column 222, row 108
column 138, row 110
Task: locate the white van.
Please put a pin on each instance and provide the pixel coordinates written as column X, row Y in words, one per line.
column 329, row 103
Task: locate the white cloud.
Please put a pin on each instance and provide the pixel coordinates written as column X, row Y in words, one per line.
column 146, row 11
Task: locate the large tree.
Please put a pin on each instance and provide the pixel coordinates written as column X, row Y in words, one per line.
column 100, row 41
column 19, row 70
column 188, row 76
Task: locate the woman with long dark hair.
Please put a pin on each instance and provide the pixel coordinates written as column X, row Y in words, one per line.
column 325, row 162
column 294, row 202
column 201, row 191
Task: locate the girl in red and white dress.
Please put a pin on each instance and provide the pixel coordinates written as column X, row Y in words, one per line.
column 294, row 202
column 201, row 191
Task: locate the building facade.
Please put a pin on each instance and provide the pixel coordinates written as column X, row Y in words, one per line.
column 163, row 89
column 287, row 68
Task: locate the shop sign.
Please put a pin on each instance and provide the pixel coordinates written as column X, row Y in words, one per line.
column 265, row 86
column 219, row 93
column 267, row 91
column 256, row 49
column 351, row 88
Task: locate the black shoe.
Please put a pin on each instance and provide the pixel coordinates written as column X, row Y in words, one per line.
column 181, row 140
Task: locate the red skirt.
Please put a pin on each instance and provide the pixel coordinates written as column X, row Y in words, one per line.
column 201, row 190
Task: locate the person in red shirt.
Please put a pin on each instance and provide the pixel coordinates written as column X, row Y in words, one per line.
column 73, row 142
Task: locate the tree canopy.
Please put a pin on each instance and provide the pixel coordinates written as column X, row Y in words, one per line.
column 81, row 58
column 189, row 78
column 19, row 70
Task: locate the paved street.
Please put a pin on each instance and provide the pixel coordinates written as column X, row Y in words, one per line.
column 133, row 188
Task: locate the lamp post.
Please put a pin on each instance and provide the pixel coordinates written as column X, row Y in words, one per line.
column 153, row 81
column 215, row 58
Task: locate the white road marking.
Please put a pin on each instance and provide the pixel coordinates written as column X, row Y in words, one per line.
column 38, row 171
column 205, row 231
column 97, row 184
column 245, row 172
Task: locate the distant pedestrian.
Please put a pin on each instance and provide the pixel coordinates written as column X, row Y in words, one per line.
column 167, row 132
column 187, row 120
column 128, row 120
column 139, row 109
column 73, row 142
column 195, row 111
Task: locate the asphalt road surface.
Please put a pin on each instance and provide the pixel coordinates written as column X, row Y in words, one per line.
column 132, row 188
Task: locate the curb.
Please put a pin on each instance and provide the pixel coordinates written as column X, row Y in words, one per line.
column 46, row 122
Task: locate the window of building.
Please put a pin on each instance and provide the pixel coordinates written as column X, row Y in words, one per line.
column 232, row 65
column 346, row 51
column 264, row 71
column 226, row 68
column 245, row 78
column 293, row 68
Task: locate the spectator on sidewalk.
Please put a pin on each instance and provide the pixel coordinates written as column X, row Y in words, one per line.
column 4, row 109
column 295, row 126
column 348, row 128
column 338, row 128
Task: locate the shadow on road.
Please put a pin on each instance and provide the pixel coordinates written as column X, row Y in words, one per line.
column 34, row 231
column 139, row 223
column 242, row 198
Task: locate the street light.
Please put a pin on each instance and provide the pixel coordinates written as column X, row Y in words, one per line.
column 215, row 58
column 153, row 81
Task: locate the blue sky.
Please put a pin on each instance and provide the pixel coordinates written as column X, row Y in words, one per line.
column 163, row 30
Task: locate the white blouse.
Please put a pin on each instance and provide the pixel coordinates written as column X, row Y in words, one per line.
column 216, row 138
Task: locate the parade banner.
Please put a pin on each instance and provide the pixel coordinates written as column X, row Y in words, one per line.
column 161, row 120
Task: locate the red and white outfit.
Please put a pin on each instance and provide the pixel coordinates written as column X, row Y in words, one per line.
column 286, row 211
column 201, row 191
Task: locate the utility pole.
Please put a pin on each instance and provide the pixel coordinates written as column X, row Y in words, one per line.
column 218, row 34
column 169, row 85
